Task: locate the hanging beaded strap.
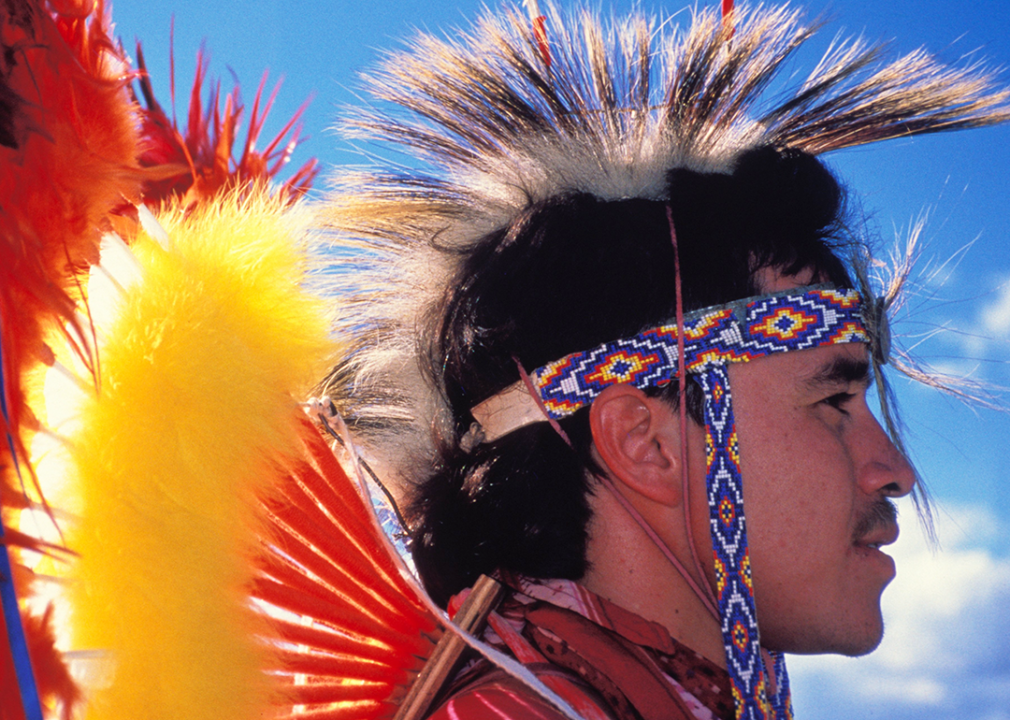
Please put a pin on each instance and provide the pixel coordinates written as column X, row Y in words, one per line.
column 734, row 589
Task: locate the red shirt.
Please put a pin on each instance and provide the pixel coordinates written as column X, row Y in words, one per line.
column 605, row 661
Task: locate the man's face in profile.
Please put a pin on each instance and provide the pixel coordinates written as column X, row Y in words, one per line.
column 817, row 471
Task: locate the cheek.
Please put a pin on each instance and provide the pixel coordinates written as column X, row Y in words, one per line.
column 796, row 496
column 778, row 477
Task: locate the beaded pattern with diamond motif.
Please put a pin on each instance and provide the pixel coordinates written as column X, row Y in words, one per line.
column 738, row 332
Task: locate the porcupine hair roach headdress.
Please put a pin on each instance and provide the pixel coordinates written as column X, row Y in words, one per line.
column 474, row 264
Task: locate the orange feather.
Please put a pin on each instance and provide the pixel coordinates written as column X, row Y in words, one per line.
column 68, row 145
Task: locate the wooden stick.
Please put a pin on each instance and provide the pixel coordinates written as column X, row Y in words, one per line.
column 471, row 616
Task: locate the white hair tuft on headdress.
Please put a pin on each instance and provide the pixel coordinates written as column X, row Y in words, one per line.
column 490, row 126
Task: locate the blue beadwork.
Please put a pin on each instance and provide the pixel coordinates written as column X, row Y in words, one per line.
column 737, row 332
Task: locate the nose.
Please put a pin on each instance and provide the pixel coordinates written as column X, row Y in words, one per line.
column 881, row 467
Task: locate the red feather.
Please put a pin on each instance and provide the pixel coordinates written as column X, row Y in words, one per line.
column 51, row 672
column 728, row 22
column 196, row 165
column 352, row 633
column 67, row 160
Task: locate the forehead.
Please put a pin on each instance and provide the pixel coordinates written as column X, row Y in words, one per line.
column 772, row 279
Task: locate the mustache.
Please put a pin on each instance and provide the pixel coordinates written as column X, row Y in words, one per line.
column 882, row 513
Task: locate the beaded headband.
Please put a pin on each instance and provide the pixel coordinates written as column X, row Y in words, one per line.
column 736, row 332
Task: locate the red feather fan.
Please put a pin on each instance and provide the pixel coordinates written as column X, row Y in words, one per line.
column 350, row 631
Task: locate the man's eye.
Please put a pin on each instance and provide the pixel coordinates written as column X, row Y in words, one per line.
column 838, row 401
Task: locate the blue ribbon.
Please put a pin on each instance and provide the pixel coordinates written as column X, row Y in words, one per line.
column 16, row 639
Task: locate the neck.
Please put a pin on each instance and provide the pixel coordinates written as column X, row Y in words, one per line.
column 627, row 568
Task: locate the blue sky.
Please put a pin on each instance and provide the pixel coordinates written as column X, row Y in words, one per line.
column 944, row 654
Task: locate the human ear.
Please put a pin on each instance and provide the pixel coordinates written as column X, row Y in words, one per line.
column 638, row 442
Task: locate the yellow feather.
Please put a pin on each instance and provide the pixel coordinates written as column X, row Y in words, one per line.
column 199, row 375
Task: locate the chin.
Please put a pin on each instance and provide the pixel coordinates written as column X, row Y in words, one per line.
column 862, row 640
column 863, row 648
column 840, row 638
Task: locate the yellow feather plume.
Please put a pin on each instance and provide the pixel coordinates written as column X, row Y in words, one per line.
column 199, row 375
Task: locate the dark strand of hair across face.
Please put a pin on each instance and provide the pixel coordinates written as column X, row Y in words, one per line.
column 568, row 274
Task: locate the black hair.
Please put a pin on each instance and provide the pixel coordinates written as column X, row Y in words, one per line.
column 568, row 274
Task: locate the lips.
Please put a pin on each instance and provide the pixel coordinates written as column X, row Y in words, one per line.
column 878, row 537
column 877, row 525
column 868, row 547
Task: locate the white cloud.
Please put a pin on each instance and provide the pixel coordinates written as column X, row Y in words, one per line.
column 996, row 316
column 944, row 652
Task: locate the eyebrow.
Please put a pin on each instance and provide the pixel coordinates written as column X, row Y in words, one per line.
column 840, row 370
